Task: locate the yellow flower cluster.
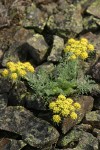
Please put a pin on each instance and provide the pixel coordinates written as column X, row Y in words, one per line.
column 64, row 107
column 17, row 70
column 78, row 48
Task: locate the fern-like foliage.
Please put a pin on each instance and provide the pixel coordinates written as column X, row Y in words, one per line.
column 63, row 80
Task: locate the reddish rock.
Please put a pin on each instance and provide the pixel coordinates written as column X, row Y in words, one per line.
column 86, row 106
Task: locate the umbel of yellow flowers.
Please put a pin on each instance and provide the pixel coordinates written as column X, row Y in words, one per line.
column 78, row 48
column 64, row 107
column 17, row 70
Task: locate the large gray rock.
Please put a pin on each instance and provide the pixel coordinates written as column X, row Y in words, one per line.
column 37, row 47
column 3, row 101
column 5, row 85
column 85, row 140
column 35, row 18
column 4, row 19
column 18, row 49
column 34, row 131
column 67, row 21
column 10, row 144
column 58, row 46
column 94, row 9
column 86, row 106
column 93, row 118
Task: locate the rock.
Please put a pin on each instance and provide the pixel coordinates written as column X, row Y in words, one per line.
column 90, row 23
column 3, row 88
column 34, row 103
column 97, row 103
column 3, row 101
column 95, row 71
column 34, row 131
column 35, row 18
column 18, row 49
column 71, row 137
column 58, row 46
column 10, row 144
column 94, row 9
column 4, row 19
column 37, row 47
column 93, row 118
column 17, row 11
column 44, row 1
column 17, row 94
column 79, row 140
column 67, row 21
column 86, row 106
column 48, row 66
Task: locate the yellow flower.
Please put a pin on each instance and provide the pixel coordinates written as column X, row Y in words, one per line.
column 14, row 76
column 77, row 52
column 30, row 68
column 52, row 105
column 62, row 97
column 72, row 108
column 26, row 64
column 56, row 118
column 69, row 100
column 73, row 115
column 90, row 47
column 84, row 41
column 22, row 73
column 9, row 64
column 73, row 57
column 56, row 109
column 65, row 112
column 84, row 55
column 71, row 41
column 67, row 49
column 77, row 105
column 5, row 73
column 12, row 68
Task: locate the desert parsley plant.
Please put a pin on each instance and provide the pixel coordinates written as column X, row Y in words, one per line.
column 16, row 71
column 64, row 107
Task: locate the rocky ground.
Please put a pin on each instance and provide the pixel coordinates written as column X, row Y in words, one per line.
column 36, row 31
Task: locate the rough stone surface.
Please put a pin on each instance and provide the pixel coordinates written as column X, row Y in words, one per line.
column 93, row 118
column 86, row 141
column 3, row 101
column 18, row 49
column 58, row 46
column 35, row 18
column 17, row 94
column 34, row 131
column 97, row 103
column 94, row 9
column 86, row 105
column 3, row 88
column 67, row 21
column 10, row 144
column 4, row 19
column 37, row 47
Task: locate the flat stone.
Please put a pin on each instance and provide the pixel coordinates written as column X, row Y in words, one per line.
column 3, row 82
column 34, row 131
column 86, row 106
column 85, row 140
column 37, row 47
column 56, row 51
column 10, row 144
column 3, row 101
column 93, row 118
column 94, row 9
column 67, row 21
column 35, row 18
